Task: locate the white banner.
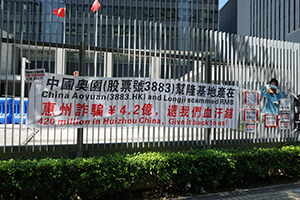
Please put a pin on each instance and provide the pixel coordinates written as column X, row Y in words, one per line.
column 74, row 101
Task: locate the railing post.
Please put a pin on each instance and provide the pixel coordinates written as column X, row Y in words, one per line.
column 23, row 79
column 79, row 147
column 208, row 79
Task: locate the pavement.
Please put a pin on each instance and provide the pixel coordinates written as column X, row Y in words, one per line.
column 278, row 192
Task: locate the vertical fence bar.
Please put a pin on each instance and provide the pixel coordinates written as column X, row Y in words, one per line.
column 193, row 41
column 208, row 74
column 144, row 75
column 243, row 84
column 214, row 57
column 236, row 82
column 134, row 129
column 228, row 74
column 6, row 68
column 168, row 59
column 79, row 146
column 123, row 67
column 14, row 74
column 165, row 77
column 149, row 50
column 183, row 70
column 117, row 72
column 140, row 34
column 197, row 70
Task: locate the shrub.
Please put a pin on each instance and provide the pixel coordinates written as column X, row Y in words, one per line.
column 112, row 175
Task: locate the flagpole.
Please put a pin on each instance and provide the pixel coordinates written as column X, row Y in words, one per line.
column 64, row 42
column 96, row 41
column 64, row 27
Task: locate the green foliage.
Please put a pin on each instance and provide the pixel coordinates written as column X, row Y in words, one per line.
column 108, row 176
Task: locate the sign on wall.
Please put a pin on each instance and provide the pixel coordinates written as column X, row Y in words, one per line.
column 71, row 101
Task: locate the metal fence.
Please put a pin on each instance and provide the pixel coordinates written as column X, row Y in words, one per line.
column 146, row 49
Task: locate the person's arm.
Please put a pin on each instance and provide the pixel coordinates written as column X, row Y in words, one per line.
column 262, row 93
column 281, row 94
column 263, row 89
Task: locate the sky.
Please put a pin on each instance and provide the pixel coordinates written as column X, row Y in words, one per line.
column 222, row 3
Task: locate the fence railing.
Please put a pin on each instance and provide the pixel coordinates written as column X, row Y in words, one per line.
column 148, row 51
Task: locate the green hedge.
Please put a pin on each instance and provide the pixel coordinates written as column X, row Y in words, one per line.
column 112, row 175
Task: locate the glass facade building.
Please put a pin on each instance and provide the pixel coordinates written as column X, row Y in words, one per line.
column 272, row 19
column 35, row 19
column 119, row 24
column 228, row 17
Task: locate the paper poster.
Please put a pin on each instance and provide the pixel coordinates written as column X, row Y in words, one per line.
column 250, row 127
column 285, row 104
column 284, row 125
column 271, row 120
column 34, row 74
column 250, row 114
column 251, row 98
column 285, row 116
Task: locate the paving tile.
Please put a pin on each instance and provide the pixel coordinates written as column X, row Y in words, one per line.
column 279, row 192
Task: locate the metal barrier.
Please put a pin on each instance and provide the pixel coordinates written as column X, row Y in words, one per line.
column 6, row 110
column 17, row 110
column 148, row 51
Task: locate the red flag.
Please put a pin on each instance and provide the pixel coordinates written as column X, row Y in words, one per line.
column 96, row 5
column 60, row 12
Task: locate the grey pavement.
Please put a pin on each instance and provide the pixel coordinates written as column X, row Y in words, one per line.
column 283, row 192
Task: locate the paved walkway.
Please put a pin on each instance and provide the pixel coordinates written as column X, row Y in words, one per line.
column 278, row 192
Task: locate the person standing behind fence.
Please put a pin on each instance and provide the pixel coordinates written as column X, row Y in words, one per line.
column 272, row 94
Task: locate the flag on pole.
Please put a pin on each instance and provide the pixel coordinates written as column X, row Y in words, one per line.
column 59, row 12
column 96, row 5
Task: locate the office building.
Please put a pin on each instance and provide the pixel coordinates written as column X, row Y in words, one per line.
column 228, row 17
column 272, row 19
column 34, row 21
